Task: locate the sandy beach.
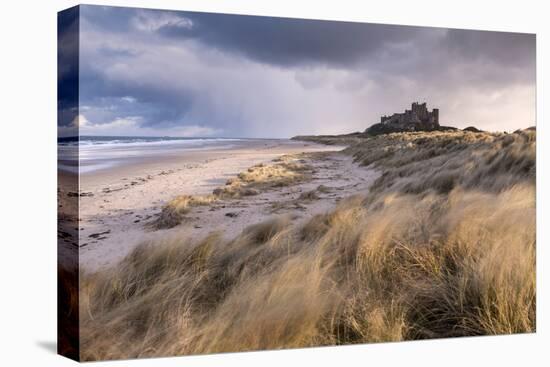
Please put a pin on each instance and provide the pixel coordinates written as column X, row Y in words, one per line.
column 118, row 203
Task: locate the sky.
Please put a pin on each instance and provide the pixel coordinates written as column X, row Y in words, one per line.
column 172, row 73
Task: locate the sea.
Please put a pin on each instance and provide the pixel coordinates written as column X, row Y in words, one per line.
column 86, row 154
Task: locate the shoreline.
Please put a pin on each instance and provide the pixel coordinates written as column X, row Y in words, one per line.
column 118, row 203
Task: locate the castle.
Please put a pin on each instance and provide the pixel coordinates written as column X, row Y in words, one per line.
column 417, row 118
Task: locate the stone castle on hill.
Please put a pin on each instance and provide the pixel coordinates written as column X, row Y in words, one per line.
column 418, row 118
column 418, row 115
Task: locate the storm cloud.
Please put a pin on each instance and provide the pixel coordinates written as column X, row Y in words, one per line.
column 152, row 72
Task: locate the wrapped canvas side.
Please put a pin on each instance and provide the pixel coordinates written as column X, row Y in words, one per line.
column 68, row 183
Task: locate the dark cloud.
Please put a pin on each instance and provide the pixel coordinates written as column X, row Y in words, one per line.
column 68, row 66
column 157, row 105
column 284, row 41
column 503, row 48
column 290, row 42
column 265, row 76
column 297, row 42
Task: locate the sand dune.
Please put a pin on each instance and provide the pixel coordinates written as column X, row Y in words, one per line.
column 438, row 241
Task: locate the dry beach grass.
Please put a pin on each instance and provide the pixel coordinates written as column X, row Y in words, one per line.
column 442, row 245
column 284, row 171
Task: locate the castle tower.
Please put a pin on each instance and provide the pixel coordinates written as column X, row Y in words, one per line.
column 435, row 114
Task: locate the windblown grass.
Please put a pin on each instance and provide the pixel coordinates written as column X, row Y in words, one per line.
column 426, row 161
column 297, row 203
column 174, row 212
column 284, row 171
column 287, row 170
column 406, row 261
column 68, row 312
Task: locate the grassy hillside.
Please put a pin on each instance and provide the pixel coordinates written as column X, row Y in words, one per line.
column 443, row 245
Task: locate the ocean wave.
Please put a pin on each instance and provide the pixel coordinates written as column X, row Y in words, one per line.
column 136, row 141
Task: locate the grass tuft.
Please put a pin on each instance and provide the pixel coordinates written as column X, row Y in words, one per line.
column 284, row 171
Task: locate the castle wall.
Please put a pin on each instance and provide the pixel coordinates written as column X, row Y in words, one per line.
column 418, row 114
